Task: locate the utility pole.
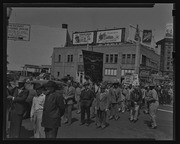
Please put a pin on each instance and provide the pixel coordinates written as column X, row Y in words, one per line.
column 137, row 59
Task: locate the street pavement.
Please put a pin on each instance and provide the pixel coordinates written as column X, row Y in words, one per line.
column 120, row 129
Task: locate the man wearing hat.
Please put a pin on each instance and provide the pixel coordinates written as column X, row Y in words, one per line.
column 37, row 110
column 18, row 108
column 153, row 101
column 101, row 106
column 54, row 107
column 86, row 99
column 115, row 98
column 69, row 96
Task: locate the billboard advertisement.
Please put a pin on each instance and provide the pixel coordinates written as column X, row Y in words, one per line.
column 19, row 32
column 147, row 36
column 109, row 36
column 83, row 38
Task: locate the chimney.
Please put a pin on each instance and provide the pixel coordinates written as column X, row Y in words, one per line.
column 64, row 26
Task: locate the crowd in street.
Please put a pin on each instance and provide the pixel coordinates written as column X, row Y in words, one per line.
column 48, row 105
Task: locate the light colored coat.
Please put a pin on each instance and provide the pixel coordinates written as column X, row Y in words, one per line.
column 102, row 101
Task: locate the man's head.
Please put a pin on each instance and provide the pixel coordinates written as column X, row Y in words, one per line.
column 39, row 88
column 86, row 85
column 51, row 86
column 69, row 82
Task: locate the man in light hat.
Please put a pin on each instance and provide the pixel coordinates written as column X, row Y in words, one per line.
column 86, row 99
column 18, row 108
column 37, row 110
column 69, row 96
column 54, row 107
column 115, row 98
column 101, row 106
column 153, row 101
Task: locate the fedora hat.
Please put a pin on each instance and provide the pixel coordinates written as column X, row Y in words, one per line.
column 38, row 86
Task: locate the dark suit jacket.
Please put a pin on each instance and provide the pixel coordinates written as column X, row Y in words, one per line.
column 54, row 107
column 19, row 104
column 87, row 97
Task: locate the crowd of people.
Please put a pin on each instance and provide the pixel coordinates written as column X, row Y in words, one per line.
column 48, row 105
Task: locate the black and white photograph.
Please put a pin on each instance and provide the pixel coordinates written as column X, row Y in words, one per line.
column 88, row 71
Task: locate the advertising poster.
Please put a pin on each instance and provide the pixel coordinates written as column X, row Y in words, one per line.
column 83, row 38
column 147, row 36
column 109, row 36
column 19, row 32
column 93, row 65
column 169, row 31
column 128, row 79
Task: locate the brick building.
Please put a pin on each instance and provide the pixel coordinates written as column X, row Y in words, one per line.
column 118, row 60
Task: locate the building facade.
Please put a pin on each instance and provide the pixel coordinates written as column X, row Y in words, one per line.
column 166, row 59
column 119, row 59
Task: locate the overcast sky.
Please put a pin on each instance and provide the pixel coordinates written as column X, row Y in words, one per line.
column 82, row 19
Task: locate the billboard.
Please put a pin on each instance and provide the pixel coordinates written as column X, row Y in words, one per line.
column 169, row 31
column 19, row 32
column 147, row 36
column 109, row 36
column 93, row 65
column 83, row 38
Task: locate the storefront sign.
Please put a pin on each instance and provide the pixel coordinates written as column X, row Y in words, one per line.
column 83, row 38
column 109, row 36
column 19, row 32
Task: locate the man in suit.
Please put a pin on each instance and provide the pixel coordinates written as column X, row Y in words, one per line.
column 86, row 99
column 115, row 98
column 101, row 106
column 54, row 107
column 153, row 101
column 18, row 108
column 69, row 96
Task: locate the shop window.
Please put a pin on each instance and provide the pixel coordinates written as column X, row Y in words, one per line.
column 110, row 72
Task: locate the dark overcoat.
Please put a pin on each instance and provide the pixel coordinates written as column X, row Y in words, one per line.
column 54, row 107
column 86, row 98
column 19, row 104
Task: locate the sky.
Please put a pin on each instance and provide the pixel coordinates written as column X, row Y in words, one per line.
column 81, row 19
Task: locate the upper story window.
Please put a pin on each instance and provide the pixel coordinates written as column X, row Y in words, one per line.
column 59, row 58
column 107, row 58
column 115, row 58
column 111, row 58
column 128, row 58
column 80, row 58
column 70, row 58
column 133, row 58
column 123, row 58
